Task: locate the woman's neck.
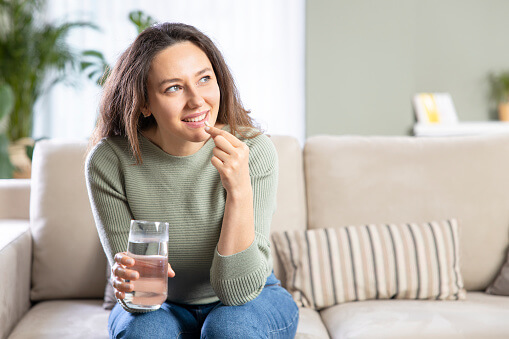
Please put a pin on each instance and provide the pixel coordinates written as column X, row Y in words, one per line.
column 186, row 148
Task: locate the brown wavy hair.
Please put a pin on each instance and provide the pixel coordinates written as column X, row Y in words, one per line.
column 125, row 90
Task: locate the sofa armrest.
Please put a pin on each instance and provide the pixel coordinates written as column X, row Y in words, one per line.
column 14, row 198
column 15, row 268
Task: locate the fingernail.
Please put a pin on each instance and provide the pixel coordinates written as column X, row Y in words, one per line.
column 207, row 123
column 133, row 275
column 130, row 261
column 207, row 128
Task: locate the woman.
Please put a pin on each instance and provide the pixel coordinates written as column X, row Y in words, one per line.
column 154, row 158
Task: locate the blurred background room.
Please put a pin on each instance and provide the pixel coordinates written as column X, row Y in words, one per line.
column 303, row 68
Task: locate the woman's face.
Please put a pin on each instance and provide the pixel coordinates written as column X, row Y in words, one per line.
column 182, row 94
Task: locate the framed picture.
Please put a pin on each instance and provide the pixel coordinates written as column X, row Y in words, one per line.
column 434, row 108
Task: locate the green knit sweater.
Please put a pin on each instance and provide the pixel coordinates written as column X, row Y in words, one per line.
column 186, row 192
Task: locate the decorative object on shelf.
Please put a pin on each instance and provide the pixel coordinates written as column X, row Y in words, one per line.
column 434, row 108
column 499, row 85
column 20, row 157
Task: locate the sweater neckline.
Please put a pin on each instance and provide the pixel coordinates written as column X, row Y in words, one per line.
column 206, row 146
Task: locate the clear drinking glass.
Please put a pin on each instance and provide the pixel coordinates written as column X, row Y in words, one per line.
column 148, row 246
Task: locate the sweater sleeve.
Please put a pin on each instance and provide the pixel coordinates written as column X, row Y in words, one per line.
column 104, row 178
column 240, row 277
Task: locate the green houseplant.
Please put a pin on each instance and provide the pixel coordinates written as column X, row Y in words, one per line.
column 499, row 85
column 6, row 106
column 33, row 57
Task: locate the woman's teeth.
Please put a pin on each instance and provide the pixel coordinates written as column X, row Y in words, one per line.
column 200, row 118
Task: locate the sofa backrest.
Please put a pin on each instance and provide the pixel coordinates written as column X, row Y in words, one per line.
column 355, row 180
column 291, row 197
column 69, row 261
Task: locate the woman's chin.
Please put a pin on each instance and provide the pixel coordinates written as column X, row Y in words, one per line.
column 200, row 136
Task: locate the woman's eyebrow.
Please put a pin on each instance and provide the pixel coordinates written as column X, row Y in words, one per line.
column 206, row 69
column 165, row 81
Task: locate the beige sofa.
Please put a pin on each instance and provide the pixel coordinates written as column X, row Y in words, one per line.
column 53, row 267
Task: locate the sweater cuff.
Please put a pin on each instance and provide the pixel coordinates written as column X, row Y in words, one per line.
column 240, row 277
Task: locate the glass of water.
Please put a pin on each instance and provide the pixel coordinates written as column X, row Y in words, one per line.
column 148, row 246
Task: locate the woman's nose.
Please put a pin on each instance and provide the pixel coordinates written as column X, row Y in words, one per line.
column 195, row 99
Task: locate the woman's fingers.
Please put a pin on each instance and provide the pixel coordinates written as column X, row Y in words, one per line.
column 220, row 154
column 124, row 276
column 122, row 273
column 123, row 259
column 215, row 132
column 119, row 295
column 122, row 286
column 217, row 163
column 224, row 144
column 125, row 273
column 171, row 272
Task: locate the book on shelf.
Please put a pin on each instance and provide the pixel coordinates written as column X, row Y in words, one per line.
column 434, row 108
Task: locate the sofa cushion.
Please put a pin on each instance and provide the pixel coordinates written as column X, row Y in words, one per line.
column 500, row 285
column 479, row 316
column 325, row 267
column 310, row 325
column 68, row 260
column 353, row 180
column 64, row 319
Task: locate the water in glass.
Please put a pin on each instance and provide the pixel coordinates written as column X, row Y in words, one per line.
column 149, row 249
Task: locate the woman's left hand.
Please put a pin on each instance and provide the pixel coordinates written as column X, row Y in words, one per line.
column 231, row 159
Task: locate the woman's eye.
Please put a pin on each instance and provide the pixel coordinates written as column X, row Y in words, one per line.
column 205, row 79
column 173, row 88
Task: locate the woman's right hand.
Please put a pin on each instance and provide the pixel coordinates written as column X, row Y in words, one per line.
column 121, row 273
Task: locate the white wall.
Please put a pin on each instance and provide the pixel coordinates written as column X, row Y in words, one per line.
column 367, row 58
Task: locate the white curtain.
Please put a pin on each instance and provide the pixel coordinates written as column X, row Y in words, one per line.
column 261, row 40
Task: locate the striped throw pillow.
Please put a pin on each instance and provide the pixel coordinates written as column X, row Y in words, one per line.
column 329, row 266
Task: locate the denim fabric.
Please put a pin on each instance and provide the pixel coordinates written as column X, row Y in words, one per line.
column 273, row 314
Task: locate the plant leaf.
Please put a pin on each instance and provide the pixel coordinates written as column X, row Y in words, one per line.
column 6, row 167
column 6, row 100
column 94, row 53
column 141, row 20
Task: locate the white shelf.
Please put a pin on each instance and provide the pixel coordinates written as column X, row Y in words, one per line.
column 461, row 128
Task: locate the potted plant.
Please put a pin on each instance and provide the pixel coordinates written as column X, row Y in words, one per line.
column 499, row 84
column 33, row 57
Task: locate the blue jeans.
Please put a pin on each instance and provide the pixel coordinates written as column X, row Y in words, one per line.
column 273, row 314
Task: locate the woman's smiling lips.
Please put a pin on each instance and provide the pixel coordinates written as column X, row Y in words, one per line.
column 196, row 120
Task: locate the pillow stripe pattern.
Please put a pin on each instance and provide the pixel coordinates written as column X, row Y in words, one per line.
column 329, row 266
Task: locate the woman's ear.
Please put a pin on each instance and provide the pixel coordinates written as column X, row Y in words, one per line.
column 146, row 112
